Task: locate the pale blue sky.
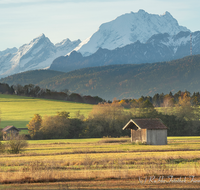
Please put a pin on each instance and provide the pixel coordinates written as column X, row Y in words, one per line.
column 23, row 20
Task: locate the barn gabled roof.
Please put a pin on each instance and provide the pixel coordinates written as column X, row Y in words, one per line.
column 9, row 128
column 145, row 124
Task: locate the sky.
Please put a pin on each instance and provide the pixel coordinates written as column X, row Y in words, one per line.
column 23, row 20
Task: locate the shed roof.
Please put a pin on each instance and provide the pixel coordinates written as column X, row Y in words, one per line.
column 9, row 128
column 145, row 124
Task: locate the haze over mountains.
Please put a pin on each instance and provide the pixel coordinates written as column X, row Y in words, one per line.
column 126, row 31
column 120, row 81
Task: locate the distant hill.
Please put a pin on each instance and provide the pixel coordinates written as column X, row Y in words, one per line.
column 30, row 77
column 120, row 81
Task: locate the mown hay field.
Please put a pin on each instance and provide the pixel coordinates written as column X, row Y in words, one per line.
column 73, row 163
column 18, row 110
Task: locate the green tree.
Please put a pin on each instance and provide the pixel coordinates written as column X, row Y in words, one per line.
column 146, row 104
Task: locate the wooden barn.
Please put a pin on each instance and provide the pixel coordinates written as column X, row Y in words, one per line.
column 10, row 132
column 149, row 131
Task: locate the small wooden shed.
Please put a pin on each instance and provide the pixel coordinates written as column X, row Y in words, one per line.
column 10, row 132
column 149, row 131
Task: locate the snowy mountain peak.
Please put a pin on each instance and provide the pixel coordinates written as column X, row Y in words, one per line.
column 127, row 29
column 167, row 14
column 67, row 45
column 37, row 44
column 8, row 50
column 142, row 12
column 41, row 36
column 38, row 54
column 63, row 42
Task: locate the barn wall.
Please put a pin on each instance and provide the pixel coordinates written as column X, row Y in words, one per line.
column 10, row 134
column 138, row 135
column 157, row 137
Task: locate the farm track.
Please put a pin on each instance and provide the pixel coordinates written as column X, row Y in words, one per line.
column 91, row 184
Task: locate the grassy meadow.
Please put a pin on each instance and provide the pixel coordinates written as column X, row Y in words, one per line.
column 98, row 163
column 18, row 110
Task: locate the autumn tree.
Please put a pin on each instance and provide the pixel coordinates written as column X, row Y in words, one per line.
column 55, row 127
column 63, row 114
column 184, row 108
column 34, row 125
column 185, row 111
column 125, row 103
column 79, row 116
column 106, row 119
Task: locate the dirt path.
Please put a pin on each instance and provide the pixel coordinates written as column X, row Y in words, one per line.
column 105, row 184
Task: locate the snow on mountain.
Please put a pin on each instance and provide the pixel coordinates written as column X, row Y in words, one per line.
column 124, row 30
column 129, row 28
column 159, row 48
column 38, row 54
column 8, row 50
column 65, row 46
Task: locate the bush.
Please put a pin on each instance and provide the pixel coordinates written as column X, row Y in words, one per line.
column 16, row 145
column 2, row 147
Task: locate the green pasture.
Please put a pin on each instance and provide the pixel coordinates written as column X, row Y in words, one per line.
column 18, row 110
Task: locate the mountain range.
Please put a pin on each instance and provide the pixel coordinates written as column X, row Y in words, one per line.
column 120, row 81
column 38, row 54
column 135, row 54
column 129, row 28
column 126, row 31
column 159, row 48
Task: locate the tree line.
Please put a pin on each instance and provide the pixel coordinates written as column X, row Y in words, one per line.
column 31, row 90
column 161, row 100
column 108, row 119
column 158, row 100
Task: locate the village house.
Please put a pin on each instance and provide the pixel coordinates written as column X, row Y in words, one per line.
column 148, row 131
column 10, row 132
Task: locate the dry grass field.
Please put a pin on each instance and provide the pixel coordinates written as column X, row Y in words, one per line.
column 107, row 163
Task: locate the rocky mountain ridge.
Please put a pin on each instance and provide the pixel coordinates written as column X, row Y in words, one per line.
column 159, row 48
column 129, row 28
column 38, row 54
column 130, row 38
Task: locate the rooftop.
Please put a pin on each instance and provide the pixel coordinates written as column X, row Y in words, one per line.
column 9, row 128
column 145, row 124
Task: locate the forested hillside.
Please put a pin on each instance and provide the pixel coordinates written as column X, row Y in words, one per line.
column 120, row 81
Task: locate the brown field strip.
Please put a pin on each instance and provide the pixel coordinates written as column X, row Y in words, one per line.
column 97, row 164
column 128, row 184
